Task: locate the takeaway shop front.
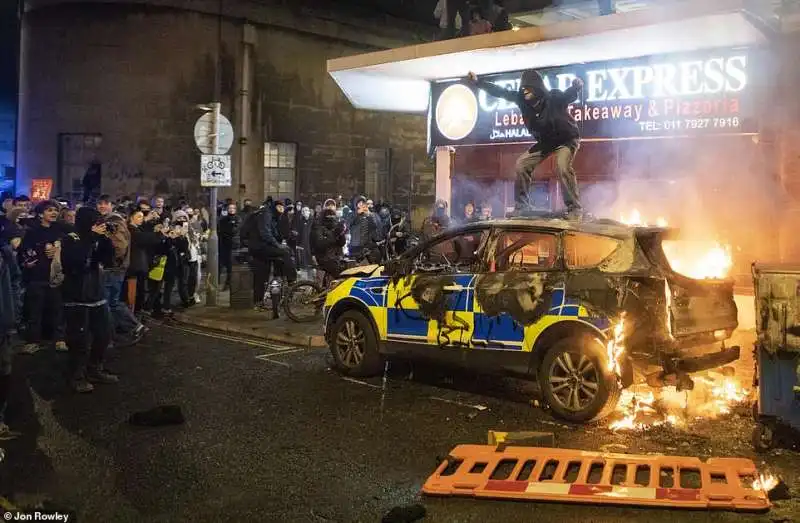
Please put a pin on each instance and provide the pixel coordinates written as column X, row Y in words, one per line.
column 670, row 115
column 652, row 127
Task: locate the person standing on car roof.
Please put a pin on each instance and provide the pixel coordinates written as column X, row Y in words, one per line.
column 556, row 133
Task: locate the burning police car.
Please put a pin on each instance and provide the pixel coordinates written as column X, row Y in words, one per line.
column 583, row 308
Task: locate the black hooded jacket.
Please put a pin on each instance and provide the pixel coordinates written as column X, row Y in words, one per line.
column 545, row 115
column 328, row 236
column 83, row 256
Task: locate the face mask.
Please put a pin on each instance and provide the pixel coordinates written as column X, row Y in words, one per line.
column 306, row 213
column 338, row 213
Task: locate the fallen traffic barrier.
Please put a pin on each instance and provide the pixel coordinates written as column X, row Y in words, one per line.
column 576, row 476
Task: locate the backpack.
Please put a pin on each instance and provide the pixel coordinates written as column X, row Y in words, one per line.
column 249, row 226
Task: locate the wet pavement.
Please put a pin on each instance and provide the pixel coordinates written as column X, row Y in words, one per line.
column 273, row 434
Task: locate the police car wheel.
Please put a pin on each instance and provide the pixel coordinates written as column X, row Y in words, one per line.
column 354, row 346
column 575, row 381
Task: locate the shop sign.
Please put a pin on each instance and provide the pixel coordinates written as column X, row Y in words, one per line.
column 656, row 96
column 41, row 189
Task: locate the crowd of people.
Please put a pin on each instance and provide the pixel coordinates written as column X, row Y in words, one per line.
column 465, row 17
column 83, row 278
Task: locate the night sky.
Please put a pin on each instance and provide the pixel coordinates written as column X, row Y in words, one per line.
column 8, row 49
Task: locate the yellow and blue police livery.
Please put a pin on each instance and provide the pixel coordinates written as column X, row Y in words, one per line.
column 530, row 298
column 429, row 304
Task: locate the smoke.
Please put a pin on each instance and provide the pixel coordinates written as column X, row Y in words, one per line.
column 716, row 188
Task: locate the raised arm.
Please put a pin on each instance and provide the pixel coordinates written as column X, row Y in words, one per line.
column 494, row 90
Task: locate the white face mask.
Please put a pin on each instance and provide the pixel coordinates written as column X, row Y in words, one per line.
column 339, row 213
column 306, row 213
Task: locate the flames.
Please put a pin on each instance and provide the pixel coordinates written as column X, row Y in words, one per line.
column 714, row 395
column 765, row 482
column 616, row 346
column 696, row 259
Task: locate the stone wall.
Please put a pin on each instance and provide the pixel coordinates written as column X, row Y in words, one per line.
column 134, row 74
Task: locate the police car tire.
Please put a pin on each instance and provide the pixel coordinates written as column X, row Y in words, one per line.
column 372, row 361
column 608, row 392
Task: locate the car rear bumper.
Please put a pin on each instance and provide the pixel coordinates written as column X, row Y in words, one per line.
column 707, row 361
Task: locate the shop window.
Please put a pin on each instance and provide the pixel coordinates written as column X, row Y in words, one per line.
column 526, row 251
column 582, row 251
column 280, row 170
column 77, row 154
column 376, row 173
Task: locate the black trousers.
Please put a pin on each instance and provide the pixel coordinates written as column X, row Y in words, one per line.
column 88, row 336
column 43, row 303
column 153, row 300
column 176, row 274
column 225, row 262
column 192, row 282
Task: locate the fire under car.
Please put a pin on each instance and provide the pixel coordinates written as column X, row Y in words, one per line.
column 585, row 309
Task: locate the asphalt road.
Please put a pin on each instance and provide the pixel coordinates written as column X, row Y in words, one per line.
column 272, row 434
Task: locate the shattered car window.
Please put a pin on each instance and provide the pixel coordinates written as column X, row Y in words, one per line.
column 459, row 252
column 526, row 251
column 582, row 251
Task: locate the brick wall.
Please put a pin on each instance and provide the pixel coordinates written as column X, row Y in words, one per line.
column 135, row 74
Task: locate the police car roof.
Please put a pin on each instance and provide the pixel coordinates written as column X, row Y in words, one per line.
column 603, row 227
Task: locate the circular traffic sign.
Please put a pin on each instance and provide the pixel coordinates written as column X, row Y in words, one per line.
column 204, row 131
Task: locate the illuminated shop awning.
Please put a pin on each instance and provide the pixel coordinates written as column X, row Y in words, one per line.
column 399, row 79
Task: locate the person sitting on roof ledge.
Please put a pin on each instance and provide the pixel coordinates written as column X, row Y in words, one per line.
column 547, row 119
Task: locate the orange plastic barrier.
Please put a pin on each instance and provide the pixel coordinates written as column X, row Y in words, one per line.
column 575, row 476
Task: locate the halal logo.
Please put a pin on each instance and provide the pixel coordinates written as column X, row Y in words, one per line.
column 456, row 112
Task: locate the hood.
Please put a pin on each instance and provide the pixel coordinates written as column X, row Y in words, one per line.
column 533, row 81
column 85, row 218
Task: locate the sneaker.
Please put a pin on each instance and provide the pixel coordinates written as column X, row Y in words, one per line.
column 7, row 434
column 140, row 331
column 30, row 348
column 101, row 376
column 81, row 386
column 61, row 346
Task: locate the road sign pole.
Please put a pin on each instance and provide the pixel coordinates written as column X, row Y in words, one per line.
column 213, row 240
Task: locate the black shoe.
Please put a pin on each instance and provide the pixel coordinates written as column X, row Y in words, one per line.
column 101, row 376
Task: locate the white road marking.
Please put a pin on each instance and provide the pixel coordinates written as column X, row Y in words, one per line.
column 351, row 380
column 288, row 351
column 476, row 407
column 252, row 343
column 264, row 357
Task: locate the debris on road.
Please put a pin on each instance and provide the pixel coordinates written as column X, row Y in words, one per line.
column 476, row 407
column 158, row 416
column 405, row 514
column 522, row 438
column 575, row 476
column 614, row 447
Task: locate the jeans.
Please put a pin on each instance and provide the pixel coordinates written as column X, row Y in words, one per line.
column 43, row 301
column 528, row 161
column 88, row 336
column 121, row 316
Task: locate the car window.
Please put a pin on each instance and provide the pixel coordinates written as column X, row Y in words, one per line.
column 582, row 251
column 526, row 251
column 459, row 253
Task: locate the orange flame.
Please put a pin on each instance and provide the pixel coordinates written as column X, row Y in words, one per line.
column 616, row 347
column 696, row 259
column 765, row 482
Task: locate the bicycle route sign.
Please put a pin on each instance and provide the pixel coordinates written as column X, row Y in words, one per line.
column 215, row 170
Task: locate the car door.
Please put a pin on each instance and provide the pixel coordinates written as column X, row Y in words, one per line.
column 431, row 304
column 518, row 291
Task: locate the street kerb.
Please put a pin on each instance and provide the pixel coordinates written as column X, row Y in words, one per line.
column 575, row 476
column 263, row 332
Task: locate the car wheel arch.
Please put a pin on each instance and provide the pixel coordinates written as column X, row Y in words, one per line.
column 558, row 331
column 345, row 305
